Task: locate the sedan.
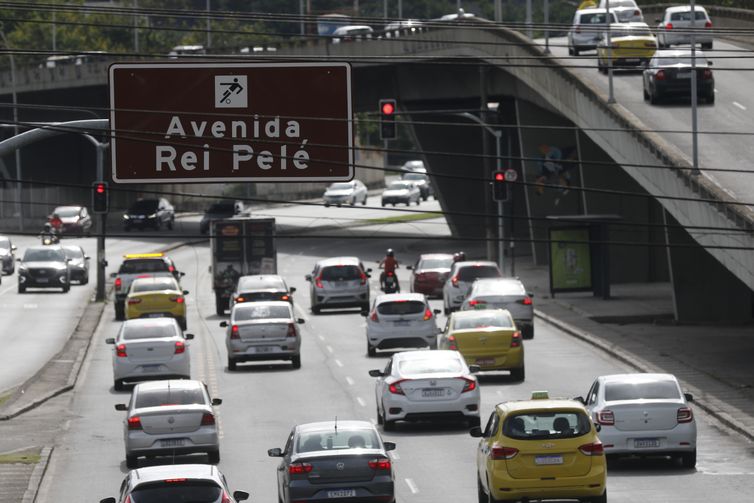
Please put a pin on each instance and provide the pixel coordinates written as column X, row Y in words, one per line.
column 168, row 418
column 400, row 320
column 633, row 45
column 417, row 385
column 78, row 263
column 44, row 267
column 262, row 331
column 675, row 26
column 335, row 460
column 72, row 220
column 503, row 293
column 669, row 75
column 643, row 415
column 155, row 213
column 430, row 273
column 341, row 193
column 195, row 483
column 262, row 287
column 7, row 255
column 150, row 349
column 421, row 180
column 155, row 297
column 462, row 276
column 401, row 192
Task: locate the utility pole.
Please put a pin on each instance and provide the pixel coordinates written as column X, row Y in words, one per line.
column 136, row 27
column 14, row 99
column 487, row 172
column 694, row 100
column 528, row 20
column 547, row 26
column 209, row 26
column 608, row 18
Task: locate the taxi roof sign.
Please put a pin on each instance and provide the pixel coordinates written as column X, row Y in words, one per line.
column 144, row 255
column 540, row 395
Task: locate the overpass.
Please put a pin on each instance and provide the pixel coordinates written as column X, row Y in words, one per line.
column 548, row 104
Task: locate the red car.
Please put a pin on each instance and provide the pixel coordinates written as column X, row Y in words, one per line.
column 430, row 272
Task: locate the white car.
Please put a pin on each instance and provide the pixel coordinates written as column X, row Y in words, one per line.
column 401, row 191
column 168, row 418
column 352, row 32
column 503, row 293
column 586, row 29
column 340, row 193
column 643, row 415
column 626, row 10
column 418, row 385
column 675, row 24
column 400, row 320
column 150, row 348
column 264, row 330
column 414, row 166
column 462, row 276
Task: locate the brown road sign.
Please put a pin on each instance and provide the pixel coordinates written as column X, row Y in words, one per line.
column 225, row 122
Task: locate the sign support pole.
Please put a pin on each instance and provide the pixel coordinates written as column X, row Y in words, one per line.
column 101, row 262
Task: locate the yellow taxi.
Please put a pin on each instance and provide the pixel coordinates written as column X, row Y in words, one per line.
column 487, row 338
column 540, row 449
column 633, row 44
column 156, row 296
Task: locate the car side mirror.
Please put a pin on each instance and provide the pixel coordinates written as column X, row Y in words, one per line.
column 275, row 453
column 185, row 292
column 113, row 274
column 437, row 311
column 217, row 401
column 181, row 274
column 292, row 289
column 188, row 337
column 240, row 495
column 389, row 446
column 68, row 259
column 224, row 324
column 110, row 340
column 530, row 294
column 300, row 321
column 476, row 432
column 710, row 63
column 658, row 21
column 87, row 257
column 308, row 277
column 689, row 397
column 474, row 369
column 107, row 500
column 580, row 399
column 18, row 259
column 598, row 427
column 121, row 407
column 376, row 373
column 13, row 248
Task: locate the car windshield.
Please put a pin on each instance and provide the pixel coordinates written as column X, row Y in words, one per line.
column 73, row 252
column 499, row 288
column 4, row 243
column 340, row 439
column 399, row 186
column 401, row 307
column 260, row 283
column 436, row 263
column 151, row 331
column 152, row 286
column 144, row 206
column 67, row 211
column 169, row 396
column 546, row 425
column 651, row 390
column 222, row 209
column 146, row 265
column 46, row 255
column 177, row 490
column 340, row 186
column 414, row 176
column 252, row 312
column 678, row 60
column 484, row 320
column 478, row 271
column 434, row 365
column 341, row 273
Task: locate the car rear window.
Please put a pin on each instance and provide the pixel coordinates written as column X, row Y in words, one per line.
column 595, row 18
column 152, row 286
column 159, row 398
column 147, row 205
column 136, row 266
column 222, row 209
column 641, row 391
column 499, row 288
column 478, row 271
column 434, row 365
column 415, row 176
column 401, row 307
column 686, row 16
column 484, row 320
column 312, row 441
column 67, row 211
column 131, row 332
column 245, row 312
column 341, row 273
column 435, row 263
column 340, row 186
column 260, row 283
column 177, row 490
column 400, row 185
column 546, row 425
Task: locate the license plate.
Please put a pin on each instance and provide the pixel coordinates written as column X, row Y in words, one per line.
column 685, row 75
column 263, row 349
column 43, row 280
column 548, row 460
column 172, row 442
column 632, row 60
column 401, row 323
column 644, row 443
column 342, row 493
column 150, row 368
column 432, row 393
column 485, row 361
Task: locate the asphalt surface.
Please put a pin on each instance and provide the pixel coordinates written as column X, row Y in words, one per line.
column 733, row 112
column 261, row 402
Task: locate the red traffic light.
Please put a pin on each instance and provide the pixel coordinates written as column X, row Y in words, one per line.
column 100, row 188
column 388, row 108
column 499, row 176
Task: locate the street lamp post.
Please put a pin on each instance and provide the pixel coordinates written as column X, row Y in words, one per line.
column 14, row 99
column 608, row 19
column 694, row 98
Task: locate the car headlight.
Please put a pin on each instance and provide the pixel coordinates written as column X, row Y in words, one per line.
column 153, row 215
column 126, row 217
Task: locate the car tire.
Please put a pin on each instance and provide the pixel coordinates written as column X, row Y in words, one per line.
column 646, row 95
column 418, row 201
column 707, row 46
column 85, row 280
column 710, row 99
column 120, row 311
column 182, row 323
column 653, row 98
column 66, row 288
column 213, row 457
column 118, row 385
column 688, row 460
column 219, row 305
column 408, row 202
column 171, row 223
column 364, row 201
column 316, row 309
column 339, row 205
column 518, row 375
column 132, row 461
column 353, row 202
column 296, row 361
column 383, row 205
column 600, row 499
column 575, row 52
column 474, row 422
column 231, row 364
column 446, row 310
column 371, row 350
column 528, row 332
column 387, row 425
column 327, row 205
column 481, row 495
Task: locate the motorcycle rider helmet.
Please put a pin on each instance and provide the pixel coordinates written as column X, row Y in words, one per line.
column 461, row 256
column 48, row 226
column 390, row 252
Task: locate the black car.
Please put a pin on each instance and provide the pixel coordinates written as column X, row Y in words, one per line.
column 154, row 213
column 262, row 287
column 668, row 75
column 7, row 255
column 78, row 262
column 219, row 210
column 44, row 267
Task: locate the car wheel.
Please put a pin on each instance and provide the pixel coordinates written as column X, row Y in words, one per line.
column 182, row 323
column 220, row 305
column 171, row 222
column 387, row 425
column 132, row 461
column 327, row 205
column 85, row 280
column 393, row 205
column 21, row 288
column 707, row 45
column 575, row 52
column 296, row 362
column 710, row 99
column 316, row 309
column 353, row 202
column 383, row 204
column 408, row 202
column 231, row 364
column 570, row 51
column 518, row 375
column 213, row 457
column 118, row 385
column 688, row 459
column 120, row 313
column 481, row 495
column 528, row 332
column 418, row 201
column 66, row 288
column 653, row 98
column 600, row 499
column 371, row 350
column 338, row 205
column 646, row 95
column 474, row 422
column 446, row 310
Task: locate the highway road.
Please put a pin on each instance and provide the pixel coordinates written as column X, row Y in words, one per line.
column 261, row 402
column 732, row 113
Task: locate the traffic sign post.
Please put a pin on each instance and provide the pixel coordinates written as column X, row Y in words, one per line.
column 231, row 122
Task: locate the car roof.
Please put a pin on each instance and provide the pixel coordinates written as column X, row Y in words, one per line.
column 162, row 472
column 339, row 261
column 474, row 313
column 505, row 285
column 153, row 279
column 264, row 279
column 532, row 405
column 425, row 256
column 595, row 10
column 45, row 247
column 679, row 53
column 424, row 354
column 66, row 206
column 399, row 297
column 685, row 8
column 474, row 263
column 149, row 322
column 330, row 425
column 169, row 383
column 637, row 377
column 249, row 305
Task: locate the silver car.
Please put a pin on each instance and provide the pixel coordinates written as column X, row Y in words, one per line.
column 340, row 193
column 586, row 29
column 78, row 263
column 258, row 287
column 421, row 180
column 195, row 483
column 339, row 282
column 462, row 276
column 675, row 25
column 263, row 330
column 167, row 418
column 504, row 293
column 401, row 320
column 401, row 192
column 335, row 460
column 150, row 348
column 626, row 10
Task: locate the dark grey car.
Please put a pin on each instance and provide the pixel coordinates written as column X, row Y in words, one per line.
column 154, row 213
column 7, row 255
column 218, row 211
column 44, row 267
column 343, row 460
column 78, row 263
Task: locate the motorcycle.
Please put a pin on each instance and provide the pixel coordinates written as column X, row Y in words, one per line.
column 390, row 284
column 50, row 239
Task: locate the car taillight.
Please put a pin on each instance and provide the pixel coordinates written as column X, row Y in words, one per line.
column 364, row 277
column 180, row 347
column 684, row 415
column 226, row 498
column 516, row 339
column 239, row 299
column 134, row 301
column 208, row 419
column 234, row 332
column 526, row 301
column 120, row 350
column 395, row 388
column 176, row 481
column 452, row 342
column 291, row 330
column 707, row 74
column 468, row 385
column 296, row 468
column 454, row 280
column 427, row 314
column 708, row 24
column 499, row 452
column 171, row 268
column 128, row 499
column 660, row 75
column 606, row 417
column 285, row 297
column 178, row 300
column 668, row 26
column 118, row 283
column 318, row 282
column 476, row 302
column 374, row 317
column 134, row 423
column 379, row 464
column 637, row 13
column 594, row 449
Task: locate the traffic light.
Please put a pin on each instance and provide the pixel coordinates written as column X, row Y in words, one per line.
column 499, row 186
column 387, row 119
column 100, row 197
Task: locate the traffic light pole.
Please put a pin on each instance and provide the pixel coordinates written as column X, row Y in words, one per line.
column 101, row 262
column 500, row 229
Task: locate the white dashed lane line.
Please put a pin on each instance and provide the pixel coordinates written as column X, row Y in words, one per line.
column 349, row 380
column 361, row 401
column 338, row 363
column 412, row 486
column 329, row 349
column 737, row 104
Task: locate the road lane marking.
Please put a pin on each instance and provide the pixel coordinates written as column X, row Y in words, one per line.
column 737, row 104
column 361, row 401
column 349, row 381
column 30, row 306
column 338, row 363
column 329, row 349
column 8, row 289
column 412, row 486
column 321, row 338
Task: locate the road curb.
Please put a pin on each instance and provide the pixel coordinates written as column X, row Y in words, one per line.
column 35, row 481
column 711, row 406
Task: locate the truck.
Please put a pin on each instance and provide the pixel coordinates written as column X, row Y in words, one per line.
column 240, row 246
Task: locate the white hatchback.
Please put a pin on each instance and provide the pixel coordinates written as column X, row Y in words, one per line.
column 503, row 293
column 400, row 320
column 150, row 348
column 643, row 415
column 462, row 275
column 586, row 29
column 419, row 385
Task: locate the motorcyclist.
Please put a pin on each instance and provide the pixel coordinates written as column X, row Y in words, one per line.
column 49, row 235
column 459, row 256
column 389, row 264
